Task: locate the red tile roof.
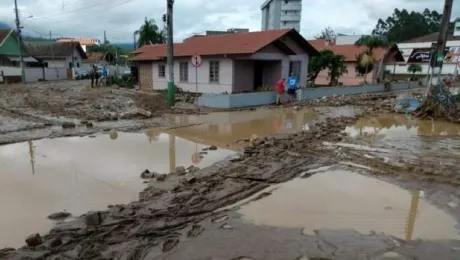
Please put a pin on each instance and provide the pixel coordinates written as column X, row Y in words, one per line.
column 3, row 34
column 240, row 43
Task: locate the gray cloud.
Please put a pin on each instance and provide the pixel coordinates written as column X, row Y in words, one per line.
column 120, row 18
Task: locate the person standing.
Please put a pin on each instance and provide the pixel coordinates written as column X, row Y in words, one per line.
column 280, row 86
column 292, row 87
column 103, row 79
column 94, row 76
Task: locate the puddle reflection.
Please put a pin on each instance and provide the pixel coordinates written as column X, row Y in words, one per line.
column 230, row 127
column 402, row 126
column 345, row 200
column 80, row 174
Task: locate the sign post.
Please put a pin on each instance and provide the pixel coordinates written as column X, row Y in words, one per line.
column 196, row 62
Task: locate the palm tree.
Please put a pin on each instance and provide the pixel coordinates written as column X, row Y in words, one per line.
column 365, row 63
column 150, row 33
column 372, row 42
column 414, row 68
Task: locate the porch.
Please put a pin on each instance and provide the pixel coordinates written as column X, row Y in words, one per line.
column 255, row 75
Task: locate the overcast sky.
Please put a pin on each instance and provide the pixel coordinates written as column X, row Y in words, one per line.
column 89, row 18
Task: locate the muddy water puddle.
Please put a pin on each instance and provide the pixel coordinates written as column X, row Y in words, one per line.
column 79, row 174
column 339, row 199
column 409, row 137
column 225, row 128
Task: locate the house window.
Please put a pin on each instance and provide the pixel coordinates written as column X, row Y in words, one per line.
column 294, row 68
column 183, row 71
column 78, row 64
column 70, row 65
column 214, row 71
column 161, row 71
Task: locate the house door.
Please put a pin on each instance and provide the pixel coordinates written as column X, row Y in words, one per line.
column 258, row 74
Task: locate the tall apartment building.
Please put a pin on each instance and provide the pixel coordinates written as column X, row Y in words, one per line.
column 279, row 14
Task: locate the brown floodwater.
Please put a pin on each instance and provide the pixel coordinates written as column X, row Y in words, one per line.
column 407, row 137
column 398, row 125
column 340, row 199
column 79, row 174
column 225, row 128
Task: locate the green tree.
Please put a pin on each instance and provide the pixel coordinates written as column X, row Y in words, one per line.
column 403, row 25
column 327, row 33
column 327, row 59
column 414, row 68
column 150, row 33
column 337, row 67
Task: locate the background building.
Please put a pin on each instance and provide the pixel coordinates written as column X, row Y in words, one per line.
column 279, row 14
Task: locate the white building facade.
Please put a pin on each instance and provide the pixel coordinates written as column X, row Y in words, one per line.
column 280, row 14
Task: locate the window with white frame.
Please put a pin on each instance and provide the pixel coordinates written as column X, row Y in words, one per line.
column 294, row 68
column 183, row 71
column 214, row 71
column 161, row 70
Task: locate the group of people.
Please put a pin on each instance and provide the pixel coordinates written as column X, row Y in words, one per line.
column 292, row 83
column 98, row 77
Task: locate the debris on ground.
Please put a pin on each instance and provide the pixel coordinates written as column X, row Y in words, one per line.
column 59, row 215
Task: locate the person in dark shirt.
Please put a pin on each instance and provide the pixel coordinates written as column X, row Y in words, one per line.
column 94, row 76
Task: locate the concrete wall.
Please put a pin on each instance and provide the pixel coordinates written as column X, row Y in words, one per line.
column 264, row 98
column 236, row 100
column 204, row 86
column 10, row 71
column 56, row 63
column 313, row 93
column 36, row 74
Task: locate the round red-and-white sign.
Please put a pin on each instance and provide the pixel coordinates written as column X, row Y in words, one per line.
column 196, row 61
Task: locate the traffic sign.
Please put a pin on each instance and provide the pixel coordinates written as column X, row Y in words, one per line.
column 196, row 61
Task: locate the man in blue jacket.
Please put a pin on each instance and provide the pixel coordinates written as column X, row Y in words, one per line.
column 292, row 82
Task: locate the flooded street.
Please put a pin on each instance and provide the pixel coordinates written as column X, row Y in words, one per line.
column 344, row 181
column 341, row 200
column 80, row 174
column 225, row 128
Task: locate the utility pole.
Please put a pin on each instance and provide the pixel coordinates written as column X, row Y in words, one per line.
column 170, row 57
column 18, row 30
column 134, row 41
column 437, row 57
column 105, row 38
column 52, row 51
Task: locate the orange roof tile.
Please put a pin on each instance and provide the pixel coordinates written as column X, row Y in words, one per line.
column 350, row 51
column 239, row 43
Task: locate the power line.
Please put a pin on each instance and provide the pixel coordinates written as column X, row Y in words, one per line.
column 84, row 15
column 79, row 9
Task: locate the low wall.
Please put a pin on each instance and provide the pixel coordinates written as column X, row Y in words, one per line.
column 36, row 74
column 10, row 71
column 264, row 98
column 313, row 93
column 236, row 100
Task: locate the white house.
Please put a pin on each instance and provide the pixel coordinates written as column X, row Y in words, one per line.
column 57, row 54
column 417, row 51
column 231, row 63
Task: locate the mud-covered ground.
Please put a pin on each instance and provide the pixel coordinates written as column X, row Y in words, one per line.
column 66, row 108
column 191, row 214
